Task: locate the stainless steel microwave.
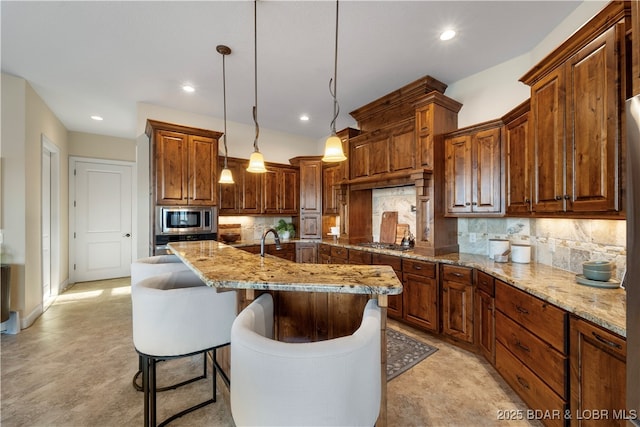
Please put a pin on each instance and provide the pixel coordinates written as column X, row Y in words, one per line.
column 186, row 220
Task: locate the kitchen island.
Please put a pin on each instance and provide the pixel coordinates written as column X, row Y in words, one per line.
column 313, row 300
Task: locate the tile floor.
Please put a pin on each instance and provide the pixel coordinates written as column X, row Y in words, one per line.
column 74, row 367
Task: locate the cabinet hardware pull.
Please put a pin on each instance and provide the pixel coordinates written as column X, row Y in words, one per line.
column 527, row 200
column 474, row 203
column 522, row 310
column 522, row 382
column 417, row 267
column 558, row 197
column 522, row 346
column 457, row 274
column 606, row 341
column 567, row 197
column 467, row 204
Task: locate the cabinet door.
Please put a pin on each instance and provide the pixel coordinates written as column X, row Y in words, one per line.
column 598, row 372
column 518, row 176
column 394, row 306
column 420, row 301
column 270, row 191
column 379, row 155
column 250, row 191
column 547, row 145
column 458, row 174
column 591, row 127
column 424, row 136
column 171, row 163
column 457, row 310
column 485, row 325
column 310, row 226
column 289, row 191
column 403, row 148
column 486, row 171
column 306, row 253
column 202, row 176
column 229, row 194
column 311, row 186
column 329, row 194
column 359, row 159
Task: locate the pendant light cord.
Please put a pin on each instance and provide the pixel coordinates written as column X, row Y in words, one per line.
column 255, row 73
column 333, row 88
column 224, row 102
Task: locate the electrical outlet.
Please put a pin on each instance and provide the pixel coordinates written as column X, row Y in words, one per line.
column 472, row 237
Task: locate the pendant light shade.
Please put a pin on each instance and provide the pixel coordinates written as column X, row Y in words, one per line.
column 333, row 150
column 256, row 161
column 225, row 175
column 333, row 146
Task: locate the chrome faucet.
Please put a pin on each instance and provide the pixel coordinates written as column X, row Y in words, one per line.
column 275, row 236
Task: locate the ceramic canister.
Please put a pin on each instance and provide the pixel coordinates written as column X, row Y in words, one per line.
column 521, row 253
column 497, row 246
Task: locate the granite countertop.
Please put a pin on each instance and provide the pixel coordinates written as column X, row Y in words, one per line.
column 223, row 266
column 602, row 306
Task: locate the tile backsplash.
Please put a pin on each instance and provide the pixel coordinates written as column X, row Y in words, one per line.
column 400, row 199
column 252, row 227
column 561, row 243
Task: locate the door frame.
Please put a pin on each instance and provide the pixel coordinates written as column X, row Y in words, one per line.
column 72, row 197
column 55, row 218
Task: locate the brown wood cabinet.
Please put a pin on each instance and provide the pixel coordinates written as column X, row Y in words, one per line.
column 517, row 165
column 598, row 374
column 280, row 190
column 484, row 321
column 577, row 96
column 329, row 192
column 420, row 294
column 183, row 164
column 306, row 252
column 394, row 303
column 531, row 349
column 244, row 196
column 635, row 46
column 324, row 254
column 473, row 170
column 310, row 169
column 457, row 302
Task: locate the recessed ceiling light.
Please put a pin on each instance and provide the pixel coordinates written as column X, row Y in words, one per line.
column 97, row 118
column 188, row 88
column 447, row 35
column 304, row 118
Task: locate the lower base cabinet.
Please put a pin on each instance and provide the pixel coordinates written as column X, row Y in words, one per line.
column 598, row 376
column 485, row 325
column 457, row 302
column 420, row 294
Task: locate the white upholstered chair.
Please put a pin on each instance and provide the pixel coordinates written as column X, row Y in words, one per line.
column 326, row 383
column 154, row 265
column 177, row 315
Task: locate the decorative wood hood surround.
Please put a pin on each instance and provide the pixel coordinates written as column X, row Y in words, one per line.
column 400, row 143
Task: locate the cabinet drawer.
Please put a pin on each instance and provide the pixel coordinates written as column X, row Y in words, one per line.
column 543, row 319
column 381, row 259
column 529, row 387
column 338, row 252
column 549, row 364
column 485, row 282
column 420, row 268
column 324, row 249
column 604, row 339
column 359, row 257
column 457, row 274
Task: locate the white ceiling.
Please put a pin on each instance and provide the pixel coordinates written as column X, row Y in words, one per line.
column 86, row 57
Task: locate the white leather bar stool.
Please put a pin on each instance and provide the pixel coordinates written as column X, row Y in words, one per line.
column 326, row 383
column 152, row 266
column 176, row 316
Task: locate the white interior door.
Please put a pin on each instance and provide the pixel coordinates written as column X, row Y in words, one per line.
column 103, row 220
column 46, row 225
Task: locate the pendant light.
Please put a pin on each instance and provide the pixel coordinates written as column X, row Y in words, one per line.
column 256, row 161
column 225, row 175
column 333, row 146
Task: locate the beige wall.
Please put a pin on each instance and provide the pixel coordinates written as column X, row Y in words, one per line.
column 101, row 147
column 25, row 119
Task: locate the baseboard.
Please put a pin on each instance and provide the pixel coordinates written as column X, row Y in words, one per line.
column 29, row 319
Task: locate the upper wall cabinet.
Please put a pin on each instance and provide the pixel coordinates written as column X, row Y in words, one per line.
column 183, row 164
column 244, row 196
column 310, row 196
column 473, row 170
column 517, row 164
column 577, row 98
